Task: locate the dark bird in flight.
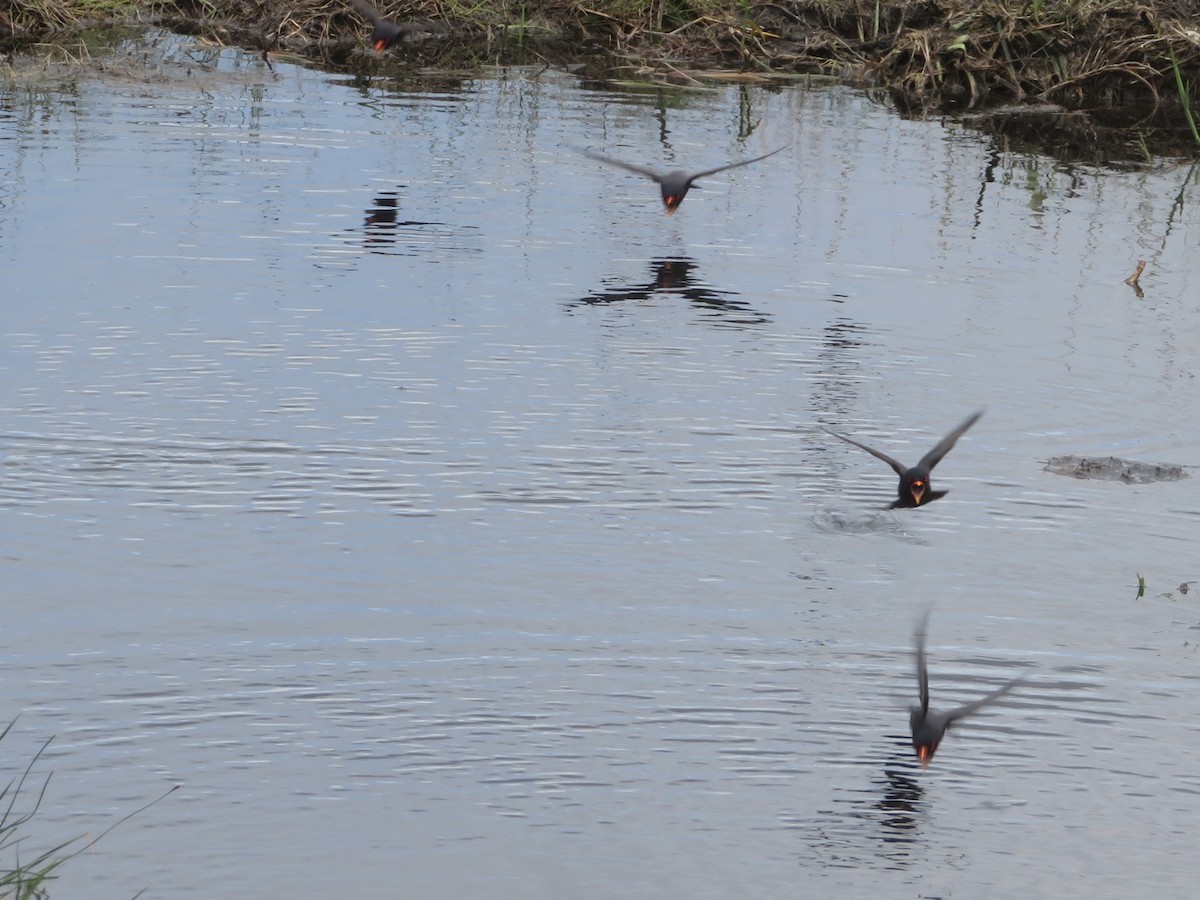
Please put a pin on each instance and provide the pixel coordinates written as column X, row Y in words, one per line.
column 929, row 727
column 386, row 32
column 915, row 488
column 675, row 185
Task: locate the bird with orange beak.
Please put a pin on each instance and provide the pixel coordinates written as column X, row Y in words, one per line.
column 385, row 32
column 914, row 487
column 675, row 185
column 929, row 727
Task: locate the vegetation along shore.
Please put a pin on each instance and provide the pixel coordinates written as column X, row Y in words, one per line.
column 931, row 54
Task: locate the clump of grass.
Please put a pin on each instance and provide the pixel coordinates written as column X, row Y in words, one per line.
column 1061, row 50
column 930, row 52
column 25, row 880
column 31, row 17
column 24, row 22
column 28, row 879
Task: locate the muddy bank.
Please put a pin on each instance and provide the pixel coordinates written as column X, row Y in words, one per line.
column 927, row 53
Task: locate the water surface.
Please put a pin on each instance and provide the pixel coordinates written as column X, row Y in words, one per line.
column 441, row 515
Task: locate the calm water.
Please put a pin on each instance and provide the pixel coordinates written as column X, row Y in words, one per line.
column 449, row 522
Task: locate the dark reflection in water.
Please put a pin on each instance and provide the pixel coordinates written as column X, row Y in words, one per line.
column 1117, row 137
column 675, row 275
column 843, row 349
column 898, row 802
column 381, row 221
column 384, row 233
column 382, row 224
column 879, row 824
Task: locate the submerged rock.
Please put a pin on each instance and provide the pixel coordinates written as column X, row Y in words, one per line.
column 1113, row 468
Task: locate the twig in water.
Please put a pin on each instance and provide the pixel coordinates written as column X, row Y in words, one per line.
column 1132, row 280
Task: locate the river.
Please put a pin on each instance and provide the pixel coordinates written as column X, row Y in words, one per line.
column 450, row 522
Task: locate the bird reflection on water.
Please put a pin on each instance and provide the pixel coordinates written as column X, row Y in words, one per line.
column 877, row 825
column 675, row 275
column 384, row 232
column 899, row 804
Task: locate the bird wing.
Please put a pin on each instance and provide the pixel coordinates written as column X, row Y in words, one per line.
column 629, row 167
column 900, row 470
column 970, row 708
column 744, row 162
column 922, row 666
column 934, row 456
column 368, row 11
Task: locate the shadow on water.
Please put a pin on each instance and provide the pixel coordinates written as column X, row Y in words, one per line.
column 675, row 276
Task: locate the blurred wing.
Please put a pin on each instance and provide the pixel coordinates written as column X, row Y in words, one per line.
column 744, row 162
column 970, row 708
column 628, row 167
column 368, row 12
column 922, row 666
column 934, row 456
column 900, row 470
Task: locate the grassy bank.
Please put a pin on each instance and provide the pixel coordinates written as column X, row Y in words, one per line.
column 929, row 53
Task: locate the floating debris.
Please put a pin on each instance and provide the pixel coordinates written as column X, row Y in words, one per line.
column 1113, row 468
column 1132, row 280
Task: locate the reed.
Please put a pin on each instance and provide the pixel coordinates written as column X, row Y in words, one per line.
column 28, row 878
column 1185, row 97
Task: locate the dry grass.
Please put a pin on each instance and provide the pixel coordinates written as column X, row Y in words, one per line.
column 929, row 52
column 1070, row 52
column 35, row 17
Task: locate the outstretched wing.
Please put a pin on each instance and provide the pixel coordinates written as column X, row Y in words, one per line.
column 922, row 665
column 878, row 454
column 934, row 456
column 970, row 708
column 370, row 13
column 629, row 167
column 744, row 162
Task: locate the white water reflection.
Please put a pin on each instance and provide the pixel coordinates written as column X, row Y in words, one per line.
column 443, row 515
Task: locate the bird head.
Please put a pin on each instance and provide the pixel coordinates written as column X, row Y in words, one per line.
column 917, row 489
column 384, row 35
column 671, row 202
column 925, row 750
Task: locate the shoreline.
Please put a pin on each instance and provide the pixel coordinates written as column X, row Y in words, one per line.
column 940, row 55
